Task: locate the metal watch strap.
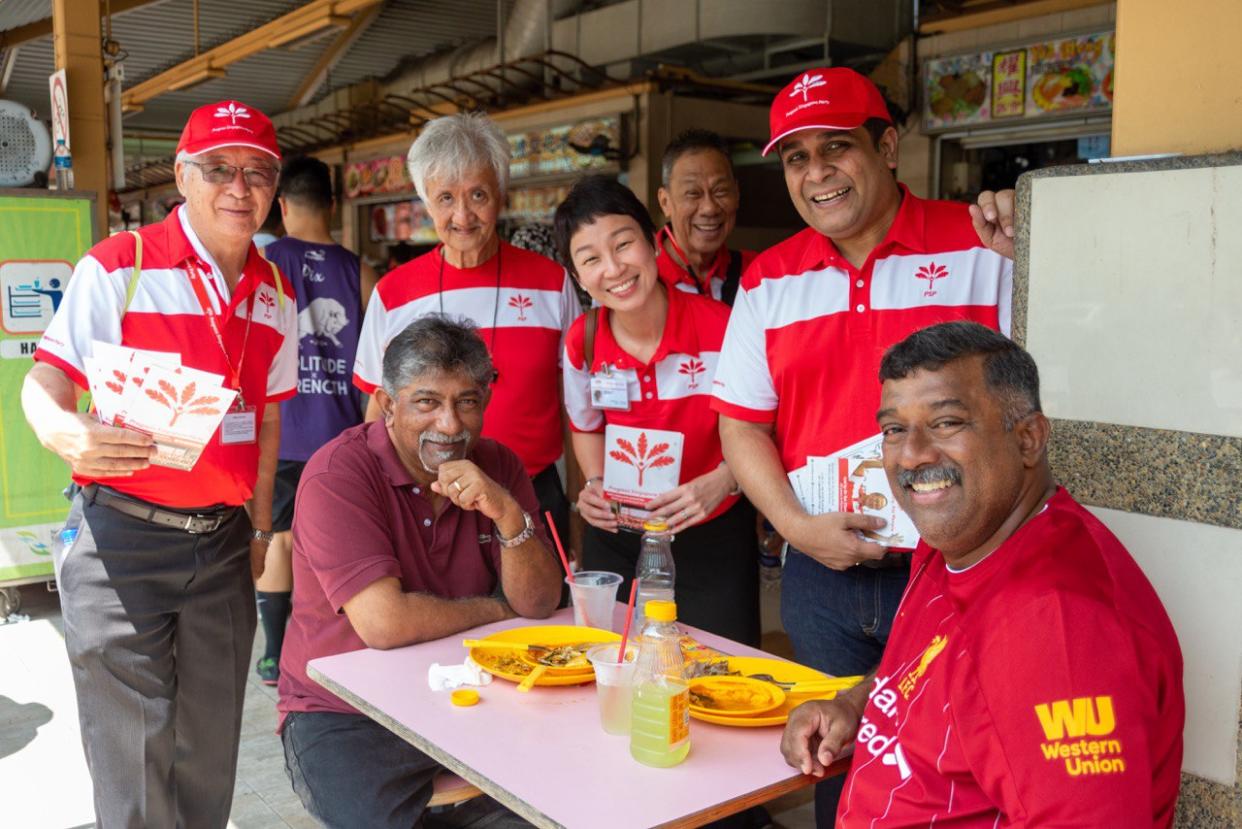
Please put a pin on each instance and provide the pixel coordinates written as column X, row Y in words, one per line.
column 262, row 535
column 520, row 538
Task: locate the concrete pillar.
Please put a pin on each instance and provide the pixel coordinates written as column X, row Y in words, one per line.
column 1176, row 85
column 76, row 41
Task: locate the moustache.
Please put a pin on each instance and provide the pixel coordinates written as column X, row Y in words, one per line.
column 432, row 436
column 907, row 478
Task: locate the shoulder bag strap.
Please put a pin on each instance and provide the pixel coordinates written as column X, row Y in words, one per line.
column 588, row 346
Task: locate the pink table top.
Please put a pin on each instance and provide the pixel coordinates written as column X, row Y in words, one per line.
column 544, row 755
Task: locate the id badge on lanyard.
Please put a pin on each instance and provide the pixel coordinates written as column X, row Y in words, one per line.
column 610, row 391
column 240, row 425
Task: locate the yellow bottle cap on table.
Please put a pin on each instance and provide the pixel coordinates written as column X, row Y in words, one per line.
column 655, row 525
column 464, row 697
column 659, row 610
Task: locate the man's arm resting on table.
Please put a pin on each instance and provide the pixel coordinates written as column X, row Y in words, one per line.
column 385, row 616
column 754, row 460
column 530, row 574
column 819, row 730
column 260, row 504
column 49, row 400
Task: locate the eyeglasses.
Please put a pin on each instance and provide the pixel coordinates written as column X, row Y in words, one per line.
column 226, row 173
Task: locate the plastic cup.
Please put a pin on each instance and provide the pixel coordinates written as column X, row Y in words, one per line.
column 614, row 681
column 594, row 595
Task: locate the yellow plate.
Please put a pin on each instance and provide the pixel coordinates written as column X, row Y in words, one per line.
column 734, row 696
column 780, row 670
column 510, row 665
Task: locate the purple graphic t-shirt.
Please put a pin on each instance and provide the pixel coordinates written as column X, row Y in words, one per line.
column 325, row 278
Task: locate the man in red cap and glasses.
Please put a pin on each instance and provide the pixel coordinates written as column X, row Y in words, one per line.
column 812, row 317
column 156, row 570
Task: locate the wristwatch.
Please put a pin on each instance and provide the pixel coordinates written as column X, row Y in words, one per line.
column 263, row 536
column 521, row 537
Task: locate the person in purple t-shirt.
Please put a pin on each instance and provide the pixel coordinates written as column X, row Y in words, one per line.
column 332, row 287
column 408, row 528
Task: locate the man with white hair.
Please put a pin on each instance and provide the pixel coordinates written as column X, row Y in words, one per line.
column 521, row 303
column 157, row 589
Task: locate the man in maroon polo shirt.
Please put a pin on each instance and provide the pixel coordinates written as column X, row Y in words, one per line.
column 405, row 529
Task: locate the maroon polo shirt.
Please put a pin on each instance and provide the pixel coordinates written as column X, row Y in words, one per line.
column 360, row 517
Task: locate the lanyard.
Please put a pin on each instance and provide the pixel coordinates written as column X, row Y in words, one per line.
column 705, row 287
column 200, row 292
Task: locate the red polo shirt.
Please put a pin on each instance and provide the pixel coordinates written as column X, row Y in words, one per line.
column 165, row 315
column 808, row 329
column 521, row 303
column 671, row 392
column 360, row 517
column 680, row 277
column 1040, row 687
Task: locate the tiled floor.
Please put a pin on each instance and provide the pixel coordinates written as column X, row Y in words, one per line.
column 43, row 778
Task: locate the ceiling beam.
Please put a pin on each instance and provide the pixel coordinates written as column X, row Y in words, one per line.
column 975, row 15
column 43, row 28
column 303, row 20
column 331, row 57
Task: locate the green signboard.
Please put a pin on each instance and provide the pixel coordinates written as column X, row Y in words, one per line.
column 41, row 237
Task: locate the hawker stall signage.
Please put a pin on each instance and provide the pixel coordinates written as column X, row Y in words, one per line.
column 1057, row 77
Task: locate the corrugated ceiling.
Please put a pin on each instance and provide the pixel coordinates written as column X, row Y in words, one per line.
column 160, row 35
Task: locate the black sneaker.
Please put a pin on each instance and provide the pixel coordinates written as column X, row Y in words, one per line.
column 268, row 670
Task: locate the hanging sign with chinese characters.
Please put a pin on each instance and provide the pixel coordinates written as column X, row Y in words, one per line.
column 1009, row 84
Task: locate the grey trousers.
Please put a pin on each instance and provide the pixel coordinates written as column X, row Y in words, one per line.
column 158, row 626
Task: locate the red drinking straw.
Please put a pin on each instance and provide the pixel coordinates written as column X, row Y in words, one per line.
column 629, row 618
column 559, row 549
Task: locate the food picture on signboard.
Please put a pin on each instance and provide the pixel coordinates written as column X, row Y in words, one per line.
column 1070, row 74
column 958, row 89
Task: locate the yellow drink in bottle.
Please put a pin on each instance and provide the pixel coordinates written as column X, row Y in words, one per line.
column 660, row 714
column 660, row 724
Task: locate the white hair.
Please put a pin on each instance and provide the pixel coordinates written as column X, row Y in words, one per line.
column 450, row 147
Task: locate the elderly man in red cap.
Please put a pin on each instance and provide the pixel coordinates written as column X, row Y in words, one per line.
column 156, row 586
column 812, row 318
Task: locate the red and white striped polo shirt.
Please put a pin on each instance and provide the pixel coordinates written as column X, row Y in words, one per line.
column 521, row 303
column 680, row 277
column 808, row 329
column 165, row 315
column 672, row 392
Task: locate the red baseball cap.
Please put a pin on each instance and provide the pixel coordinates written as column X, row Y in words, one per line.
column 227, row 124
column 825, row 99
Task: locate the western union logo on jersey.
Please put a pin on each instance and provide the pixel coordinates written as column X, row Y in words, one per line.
column 1067, row 723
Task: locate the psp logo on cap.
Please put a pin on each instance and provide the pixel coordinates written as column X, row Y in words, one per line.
column 806, row 83
column 232, row 112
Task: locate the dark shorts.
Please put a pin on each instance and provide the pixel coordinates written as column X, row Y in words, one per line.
column 349, row 771
column 288, row 473
column 717, row 564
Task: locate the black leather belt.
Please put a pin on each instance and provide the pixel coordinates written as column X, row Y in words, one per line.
column 887, row 562
column 194, row 523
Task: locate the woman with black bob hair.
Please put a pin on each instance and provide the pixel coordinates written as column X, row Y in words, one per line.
column 643, row 360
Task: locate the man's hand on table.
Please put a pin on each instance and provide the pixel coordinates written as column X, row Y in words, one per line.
column 994, row 220
column 832, row 538
column 818, row 731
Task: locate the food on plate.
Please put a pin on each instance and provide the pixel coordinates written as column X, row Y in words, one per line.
column 736, row 695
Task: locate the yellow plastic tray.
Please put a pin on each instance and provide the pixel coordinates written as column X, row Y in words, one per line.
column 781, row 671
column 510, row 665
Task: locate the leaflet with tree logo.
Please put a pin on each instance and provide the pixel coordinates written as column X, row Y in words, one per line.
column 151, row 392
column 639, row 464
